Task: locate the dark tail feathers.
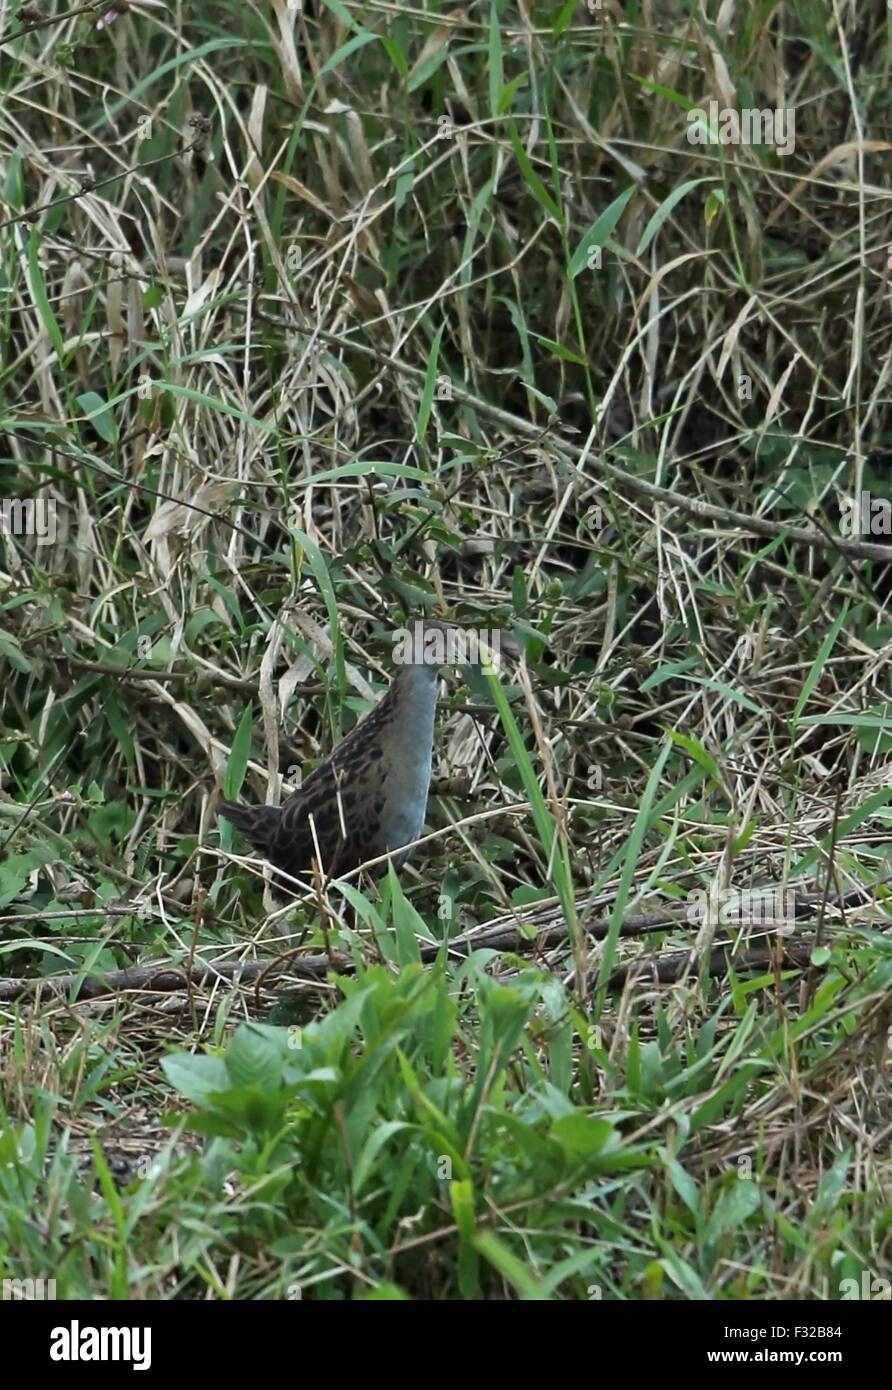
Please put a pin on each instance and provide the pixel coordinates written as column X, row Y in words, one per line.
column 258, row 824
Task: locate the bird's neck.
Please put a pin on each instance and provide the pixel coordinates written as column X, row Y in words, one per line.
column 412, row 733
column 417, row 697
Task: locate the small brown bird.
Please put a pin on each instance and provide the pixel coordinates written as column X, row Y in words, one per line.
column 369, row 796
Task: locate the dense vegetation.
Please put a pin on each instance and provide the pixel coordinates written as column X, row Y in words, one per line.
column 315, row 319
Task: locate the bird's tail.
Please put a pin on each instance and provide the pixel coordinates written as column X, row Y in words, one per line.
column 258, row 824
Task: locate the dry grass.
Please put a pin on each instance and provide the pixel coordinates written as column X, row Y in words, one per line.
column 308, row 331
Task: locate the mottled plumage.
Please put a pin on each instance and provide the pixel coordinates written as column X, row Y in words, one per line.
column 367, row 797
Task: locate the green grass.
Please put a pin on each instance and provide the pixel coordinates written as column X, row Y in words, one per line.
column 304, row 335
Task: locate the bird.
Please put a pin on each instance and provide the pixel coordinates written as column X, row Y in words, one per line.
column 368, row 797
